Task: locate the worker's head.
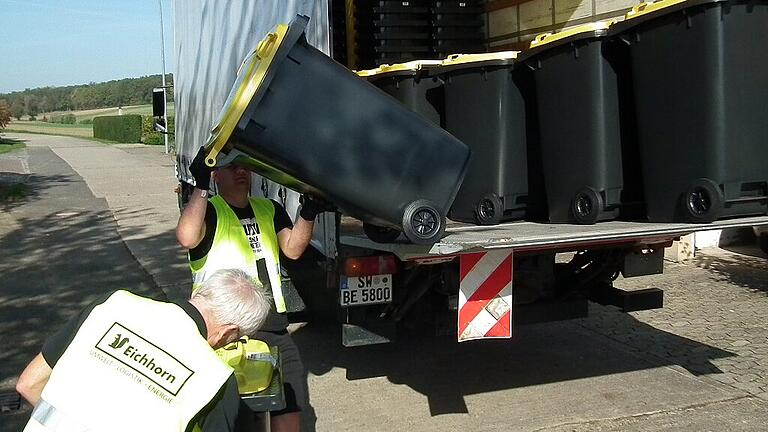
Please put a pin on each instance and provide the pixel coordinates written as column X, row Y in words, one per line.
column 233, row 304
column 232, row 179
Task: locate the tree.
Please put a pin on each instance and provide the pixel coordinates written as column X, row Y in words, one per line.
column 17, row 108
column 128, row 91
column 30, row 105
column 43, row 104
column 5, row 114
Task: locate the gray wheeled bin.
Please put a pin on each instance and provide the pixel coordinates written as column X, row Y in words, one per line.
column 411, row 84
column 297, row 117
column 577, row 94
column 485, row 109
column 700, row 72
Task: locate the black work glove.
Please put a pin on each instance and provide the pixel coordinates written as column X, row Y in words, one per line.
column 200, row 171
column 311, row 206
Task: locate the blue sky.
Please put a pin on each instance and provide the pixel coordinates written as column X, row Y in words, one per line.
column 65, row 42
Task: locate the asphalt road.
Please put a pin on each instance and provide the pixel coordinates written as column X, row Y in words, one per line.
column 96, row 218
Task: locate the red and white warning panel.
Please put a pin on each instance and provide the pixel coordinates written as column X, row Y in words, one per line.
column 485, row 295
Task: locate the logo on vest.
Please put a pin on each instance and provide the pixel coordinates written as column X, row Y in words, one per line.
column 145, row 358
column 118, row 343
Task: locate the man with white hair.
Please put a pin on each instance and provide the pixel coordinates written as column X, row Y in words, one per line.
column 128, row 363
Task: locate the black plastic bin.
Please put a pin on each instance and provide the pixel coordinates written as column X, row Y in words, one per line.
column 411, row 84
column 700, row 71
column 302, row 120
column 579, row 123
column 462, row 33
column 485, row 109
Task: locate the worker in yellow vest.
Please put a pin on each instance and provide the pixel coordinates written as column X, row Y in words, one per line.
column 128, row 363
column 233, row 229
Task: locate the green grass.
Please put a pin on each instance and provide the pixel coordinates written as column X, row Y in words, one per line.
column 50, row 125
column 8, row 145
column 13, row 192
column 81, row 131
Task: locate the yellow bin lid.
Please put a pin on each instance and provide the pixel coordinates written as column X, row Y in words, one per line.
column 250, row 76
column 645, row 8
column 597, row 28
column 411, row 66
column 468, row 59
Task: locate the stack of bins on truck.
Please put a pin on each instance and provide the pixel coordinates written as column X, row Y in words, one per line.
column 700, row 72
column 392, row 31
column 458, row 26
column 485, row 109
column 339, row 33
column 577, row 74
column 306, row 122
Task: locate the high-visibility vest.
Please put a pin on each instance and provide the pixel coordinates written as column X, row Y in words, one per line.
column 231, row 249
column 135, row 364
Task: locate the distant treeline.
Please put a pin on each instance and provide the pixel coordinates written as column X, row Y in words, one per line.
column 124, row 92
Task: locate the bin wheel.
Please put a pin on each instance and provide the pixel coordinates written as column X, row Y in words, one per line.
column 703, row 201
column 586, row 206
column 422, row 222
column 380, row 234
column 489, row 210
column 763, row 242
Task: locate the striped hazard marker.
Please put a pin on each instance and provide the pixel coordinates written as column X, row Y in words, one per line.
column 485, row 295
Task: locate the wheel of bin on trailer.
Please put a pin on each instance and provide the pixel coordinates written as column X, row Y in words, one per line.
column 763, row 242
column 422, row 222
column 380, row 234
column 703, row 201
column 586, row 206
column 489, row 210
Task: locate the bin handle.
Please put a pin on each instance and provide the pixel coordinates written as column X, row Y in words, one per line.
column 540, row 37
column 639, row 8
column 265, row 44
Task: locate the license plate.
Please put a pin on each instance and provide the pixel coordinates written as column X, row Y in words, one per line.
column 365, row 290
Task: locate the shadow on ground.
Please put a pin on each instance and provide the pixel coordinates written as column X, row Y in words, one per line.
column 446, row 372
column 59, row 250
column 745, row 270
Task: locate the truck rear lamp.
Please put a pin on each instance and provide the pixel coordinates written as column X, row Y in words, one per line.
column 370, row 265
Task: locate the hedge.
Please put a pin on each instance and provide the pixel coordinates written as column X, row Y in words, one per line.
column 122, row 129
column 148, row 133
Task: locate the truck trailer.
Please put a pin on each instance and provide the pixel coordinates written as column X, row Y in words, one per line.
column 477, row 281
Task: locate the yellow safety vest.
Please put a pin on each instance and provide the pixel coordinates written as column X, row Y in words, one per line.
column 230, row 248
column 134, row 365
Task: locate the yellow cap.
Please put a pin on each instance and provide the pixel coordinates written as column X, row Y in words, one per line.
column 250, row 75
column 648, row 7
column 546, row 38
column 455, row 59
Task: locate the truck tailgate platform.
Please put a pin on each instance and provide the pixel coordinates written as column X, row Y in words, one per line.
column 530, row 236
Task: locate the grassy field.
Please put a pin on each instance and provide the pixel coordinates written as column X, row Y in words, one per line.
column 145, row 110
column 83, row 131
column 77, row 130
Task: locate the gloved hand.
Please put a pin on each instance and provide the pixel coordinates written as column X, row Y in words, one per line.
column 200, row 171
column 311, row 206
